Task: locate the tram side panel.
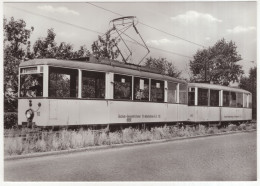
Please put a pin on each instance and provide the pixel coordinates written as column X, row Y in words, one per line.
column 182, row 112
column 41, row 113
column 64, row 112
column 203, row 114
column 216, row 114
column 94, row 112
column 79, row 112
column 236, row 114
column 146, row 112
column 247, row 114
column 136, row 112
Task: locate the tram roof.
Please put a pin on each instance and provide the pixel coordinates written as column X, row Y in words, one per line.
column 217, row 87
column 102, row 65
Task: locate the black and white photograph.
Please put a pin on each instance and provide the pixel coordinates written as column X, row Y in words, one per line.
column 129, row 91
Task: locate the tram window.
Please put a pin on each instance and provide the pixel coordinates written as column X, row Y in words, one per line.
column 226, row 98
column 157, row 91
column 250, row 101
column 93, row 84
column 172, row 92
column 191, row 96
column 239, row 99
column 233, row 99
column 214, row 97
column 122, row 87
column 245, row 100
column 141, row 89
column 183, row 93
column 31, row 85
column 63, row 82
column 203, row 97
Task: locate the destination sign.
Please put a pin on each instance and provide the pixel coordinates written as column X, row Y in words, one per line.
column 29, row 70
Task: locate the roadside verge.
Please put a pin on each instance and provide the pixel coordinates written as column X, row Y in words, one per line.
column 93, row 148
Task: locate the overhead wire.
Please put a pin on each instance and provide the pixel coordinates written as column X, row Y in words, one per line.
column 152, row 27
column 90, row 30
column 57, row 20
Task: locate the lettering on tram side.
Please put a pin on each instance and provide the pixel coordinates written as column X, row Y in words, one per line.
column 146, row 116
column 231, row 116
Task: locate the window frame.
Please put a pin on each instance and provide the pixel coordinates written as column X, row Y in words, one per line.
column 194, row 91
column 228, row 101
column 198, row 104
column 163, row 88
column 237, row 93
column 250, row 101
column 39, row 70
column 232, row 103
column 133, row 91
column 218, row 97
column 92, row 71
column 76, row 83
column 131, row 87
column 175, row 95
column 186, row 93
column 19, row 85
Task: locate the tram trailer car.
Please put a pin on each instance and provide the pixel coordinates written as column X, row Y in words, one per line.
column 209, row 103
column 58, row 93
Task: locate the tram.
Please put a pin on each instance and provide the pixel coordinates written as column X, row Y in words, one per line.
column 92, row 92
column 210, row 103
column 54, row 92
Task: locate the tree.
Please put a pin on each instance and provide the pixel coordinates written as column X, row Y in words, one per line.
column 46, row 47
column 217, row 64
column 163, row 66
column 16, row 37
column 249, row 83
column 105, row 48
column 82, row 52
column 64, row 51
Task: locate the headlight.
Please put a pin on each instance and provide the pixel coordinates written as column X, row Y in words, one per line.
column 29, row 114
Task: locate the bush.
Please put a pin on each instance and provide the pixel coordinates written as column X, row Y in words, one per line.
column 223, row 129
column 13, row 145
column 115, row 138
column 158, row 133
column 87, row 137
column 242, row 127
column 232, row 127
column 103, row 139
column 67, row 139
column 251, row 126
column 10, row 120
column 128, row 135
column 185, row 132
column 201, row 130
column 210, row 130
column 40, row 146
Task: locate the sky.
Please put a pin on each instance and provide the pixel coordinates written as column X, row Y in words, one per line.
column 181, row 28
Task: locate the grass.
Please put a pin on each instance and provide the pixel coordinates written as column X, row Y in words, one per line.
column 22, row 142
